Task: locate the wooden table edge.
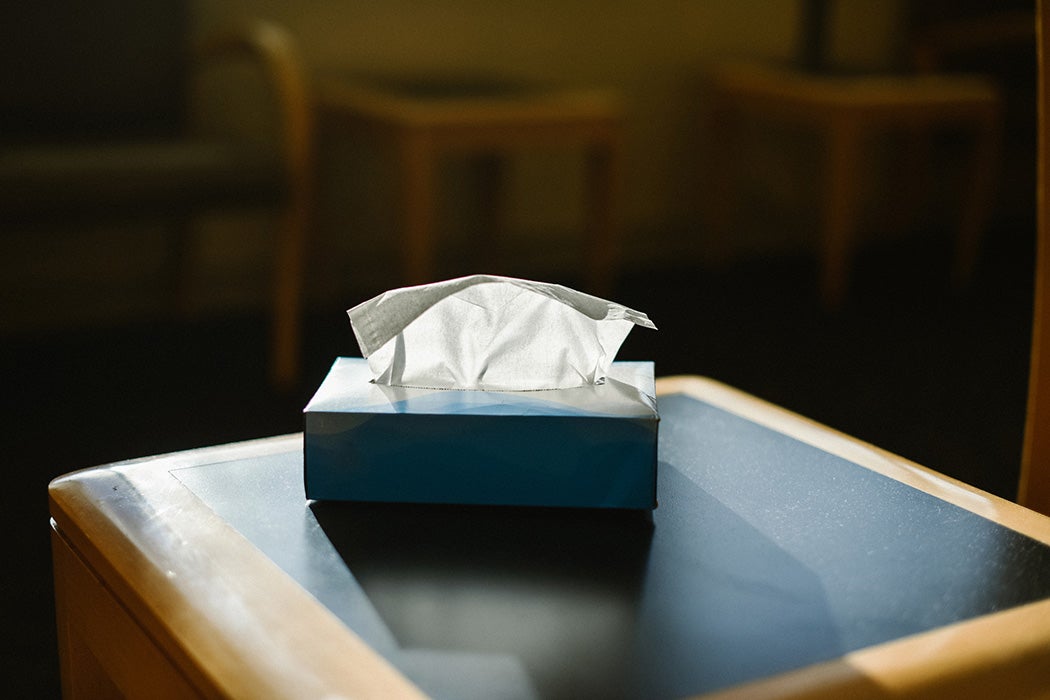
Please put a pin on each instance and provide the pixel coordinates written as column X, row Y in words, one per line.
column 1005, row 654
column 219, row 613
column 971, row 498
column 203, row 627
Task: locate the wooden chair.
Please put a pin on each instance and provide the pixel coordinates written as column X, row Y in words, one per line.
column 426, row 119
column 847, row 111
column 1034, row 487
column 94, row 129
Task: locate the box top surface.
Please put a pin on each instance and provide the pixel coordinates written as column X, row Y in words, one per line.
column 628, row 392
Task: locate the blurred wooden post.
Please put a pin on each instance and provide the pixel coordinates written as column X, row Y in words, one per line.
column 1034, row 487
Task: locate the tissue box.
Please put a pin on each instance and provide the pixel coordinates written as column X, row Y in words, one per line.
column 591, row 447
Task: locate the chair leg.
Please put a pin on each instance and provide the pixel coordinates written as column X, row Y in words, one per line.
column 292, row 240
column 179, row 266
column 419, row 200
column 841, row 208
column 604, row 184
column 492, row 195
column 286, row 329
column 912, row 177
column 721, row 188
column 977, row 207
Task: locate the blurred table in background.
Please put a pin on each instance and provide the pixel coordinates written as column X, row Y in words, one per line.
column 426, row 119
column 848, row 112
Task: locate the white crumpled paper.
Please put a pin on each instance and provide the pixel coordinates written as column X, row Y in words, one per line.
column 491, row 333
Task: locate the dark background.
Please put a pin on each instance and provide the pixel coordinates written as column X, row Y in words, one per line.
column 935, row 374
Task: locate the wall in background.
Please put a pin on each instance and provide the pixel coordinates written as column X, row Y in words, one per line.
column 654, row 53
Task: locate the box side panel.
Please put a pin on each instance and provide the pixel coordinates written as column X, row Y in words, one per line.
column 492, row 460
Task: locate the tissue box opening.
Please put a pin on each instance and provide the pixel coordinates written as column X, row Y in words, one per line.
column 586, row 447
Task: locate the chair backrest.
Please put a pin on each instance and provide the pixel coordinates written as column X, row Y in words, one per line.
column 1034, row 487
column 93, row 70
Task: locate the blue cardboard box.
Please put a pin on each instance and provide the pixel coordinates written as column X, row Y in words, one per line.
column 591, row 447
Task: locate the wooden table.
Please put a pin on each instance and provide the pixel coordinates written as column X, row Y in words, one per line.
column 426, row 119
column 784, row 560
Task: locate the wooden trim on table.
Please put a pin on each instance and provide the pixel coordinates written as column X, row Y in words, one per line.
column 231, row 622
column 104, row 652
column 987, row 505
column 1005, row 654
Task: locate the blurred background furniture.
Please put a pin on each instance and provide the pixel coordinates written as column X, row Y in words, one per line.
column 95, row 128
column 849, row 111
column 785, row 560
column 426, row 119
column 1034, row 487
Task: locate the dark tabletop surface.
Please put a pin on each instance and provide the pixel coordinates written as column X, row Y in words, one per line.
column 765, row 554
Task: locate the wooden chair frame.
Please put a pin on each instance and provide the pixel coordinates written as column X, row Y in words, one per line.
column 1034, row 487
column 274, row 51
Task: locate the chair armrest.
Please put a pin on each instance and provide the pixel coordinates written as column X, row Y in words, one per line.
column 273, row 50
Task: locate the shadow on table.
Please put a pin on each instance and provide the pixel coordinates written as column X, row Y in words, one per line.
column 593, row 603
column 529, row 582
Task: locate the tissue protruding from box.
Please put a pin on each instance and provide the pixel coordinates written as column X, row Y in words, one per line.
column 485, row 332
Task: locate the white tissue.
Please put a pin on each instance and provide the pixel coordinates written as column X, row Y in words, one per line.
column 491, row 333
